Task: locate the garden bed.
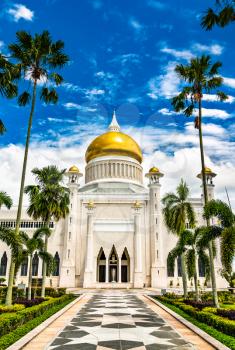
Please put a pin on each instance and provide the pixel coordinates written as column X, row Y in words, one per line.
column 217, row 323
column 14, row 325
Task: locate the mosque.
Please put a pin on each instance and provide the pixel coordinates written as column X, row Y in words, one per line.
column 114, row 235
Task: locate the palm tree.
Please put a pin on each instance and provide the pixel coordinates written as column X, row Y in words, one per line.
column 201, row 77
column 224, row 230
column 177, row 211
column 31, row 245
column 188, row 244
column 49, row 200
column 8, row 88
column 5, row 200
column 14, row 242
column 36, row 57
column 223, row 15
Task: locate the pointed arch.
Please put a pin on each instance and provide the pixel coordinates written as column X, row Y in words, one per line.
column 179, row 265
column 3, row 266
column 35, row 263
column 24, row 267
column 201, row 267
column 113, row 265
column 101, row 266
column 56, row 271
column 125, row 266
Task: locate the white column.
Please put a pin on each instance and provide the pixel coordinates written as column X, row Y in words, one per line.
column 88, row 275
column 107, row 270
column 119, row 270
column 138, row 264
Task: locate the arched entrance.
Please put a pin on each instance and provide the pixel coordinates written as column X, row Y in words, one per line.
column 125, row 267
column 113, row 266
column 101, row 266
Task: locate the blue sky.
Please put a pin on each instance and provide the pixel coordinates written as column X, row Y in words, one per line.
column 122, row 55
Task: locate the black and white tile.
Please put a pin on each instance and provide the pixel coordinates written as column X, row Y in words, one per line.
column 118, row 321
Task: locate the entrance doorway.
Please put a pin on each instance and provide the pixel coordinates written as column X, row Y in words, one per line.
column 101, row 264
column 125, row 267
column 113, row 266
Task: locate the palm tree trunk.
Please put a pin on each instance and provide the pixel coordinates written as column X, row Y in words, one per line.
column 184, row 275
column 196, row 286
column 211, row 255
column 19, row 210
column 44, row 270
column 30, row 278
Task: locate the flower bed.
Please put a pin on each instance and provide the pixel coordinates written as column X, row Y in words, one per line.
column 207, row 315
column 10, row 321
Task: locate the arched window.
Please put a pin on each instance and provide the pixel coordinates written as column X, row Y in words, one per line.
column 101, row 266
column 24, row 267
column 35, row 263
column 201, row 268
column 56, row 271
column 169, row 272
column 113, row 265
column 3, row 266
column 179, row 266
column 125, row 266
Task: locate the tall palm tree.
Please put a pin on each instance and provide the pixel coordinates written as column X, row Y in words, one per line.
column 5, row 200
column 8, row 87
column 222, row 15
column 31, row 245
column 200, row 76
column 49, row 200
column 36, row 57
column 188, row 244
column 177, row 212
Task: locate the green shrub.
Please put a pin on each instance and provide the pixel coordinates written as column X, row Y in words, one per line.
column 10, row 321
column 212, row 319
column 12, row 308
column 49, row 291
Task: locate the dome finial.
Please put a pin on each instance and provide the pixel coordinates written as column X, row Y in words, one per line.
column 114, row 126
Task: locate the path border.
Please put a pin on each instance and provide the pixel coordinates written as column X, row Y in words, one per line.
column 19, row 344
column 205, row 336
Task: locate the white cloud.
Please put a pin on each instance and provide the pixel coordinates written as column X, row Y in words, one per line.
column 95, row 92
column 229, row 82
column 166, row 85
column 21, row 11
column 166, row 111
column 214, row 98
column 72, row 105
column 208, row 129
column 136, row 25
column 1, row 45
column 185, row 54
column 214, row 49
column 215, row 113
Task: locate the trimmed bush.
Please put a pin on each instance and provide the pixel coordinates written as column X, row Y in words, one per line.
column 9, row 322
column 49, row 292
column 230, row 314
column 12, row 308
column 198, row 304
column 212, row 319
column 29, row 303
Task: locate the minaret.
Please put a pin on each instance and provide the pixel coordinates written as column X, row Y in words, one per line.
column 114, row 126
column 158, row 271
column 209, row 182
column 68, row 263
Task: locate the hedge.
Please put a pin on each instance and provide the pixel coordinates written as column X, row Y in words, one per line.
column 11, row 321
column 19, row 332
column 49, row 292
column 211, row 319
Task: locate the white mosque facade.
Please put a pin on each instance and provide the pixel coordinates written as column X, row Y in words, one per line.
column 114, row 235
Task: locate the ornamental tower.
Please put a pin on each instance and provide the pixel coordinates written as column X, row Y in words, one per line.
column 70, row 261
column 209, row 182
column 158, row 271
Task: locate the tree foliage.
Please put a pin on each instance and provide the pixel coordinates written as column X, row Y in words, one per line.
column 222, row 15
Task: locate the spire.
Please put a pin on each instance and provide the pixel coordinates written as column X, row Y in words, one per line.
column 114, row 126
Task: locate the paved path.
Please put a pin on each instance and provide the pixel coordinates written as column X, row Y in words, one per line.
column 121, row 321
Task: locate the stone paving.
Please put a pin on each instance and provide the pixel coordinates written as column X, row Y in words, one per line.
column 118, row 321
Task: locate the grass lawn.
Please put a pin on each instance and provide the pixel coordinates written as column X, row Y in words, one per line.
column 227, row 340
column 11, row 337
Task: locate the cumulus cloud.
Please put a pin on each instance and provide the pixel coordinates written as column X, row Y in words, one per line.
column 214, row 49
column 214, row 98
column 186, row 54
column 19, row 11
column 230, row 82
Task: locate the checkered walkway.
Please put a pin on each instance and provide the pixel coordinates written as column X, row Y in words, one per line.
column 118, row 321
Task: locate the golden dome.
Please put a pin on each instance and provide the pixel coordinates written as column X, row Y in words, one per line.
column 208, row 170
column 74, row 169
column 154, row 170
column 113, row 143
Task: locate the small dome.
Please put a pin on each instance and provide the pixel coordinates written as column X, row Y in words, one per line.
column 74, row 169
column 208, row 170
column 154, row 170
